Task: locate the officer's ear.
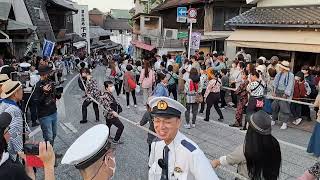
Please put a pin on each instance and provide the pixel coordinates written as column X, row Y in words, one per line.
column 179, row 122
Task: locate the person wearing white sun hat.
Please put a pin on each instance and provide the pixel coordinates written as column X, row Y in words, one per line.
column 11, row 94
column 283, row 87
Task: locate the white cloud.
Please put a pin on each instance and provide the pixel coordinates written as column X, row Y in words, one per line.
column 105, row 5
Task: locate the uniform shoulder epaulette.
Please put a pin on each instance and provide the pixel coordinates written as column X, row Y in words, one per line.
column 188, row 145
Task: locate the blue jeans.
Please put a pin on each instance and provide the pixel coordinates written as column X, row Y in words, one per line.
column 49, row 127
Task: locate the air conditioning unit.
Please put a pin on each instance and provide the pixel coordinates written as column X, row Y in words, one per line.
column 170, row 33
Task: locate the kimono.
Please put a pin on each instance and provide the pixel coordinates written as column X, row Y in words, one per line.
column 243, row 100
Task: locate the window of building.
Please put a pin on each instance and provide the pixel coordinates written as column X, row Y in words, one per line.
column 222, row 14
column 120, row 31
column 39, row 13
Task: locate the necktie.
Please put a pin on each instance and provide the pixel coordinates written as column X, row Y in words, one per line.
column 164, row 174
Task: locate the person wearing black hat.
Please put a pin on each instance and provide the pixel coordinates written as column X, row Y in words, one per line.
column 45, row 98
column 175, row 155
column 260, row 156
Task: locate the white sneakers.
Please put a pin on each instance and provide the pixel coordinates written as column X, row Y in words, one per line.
column 284, row 126
column 128, row 107
column 135, row 106
column 297, row 121
column 188, row 126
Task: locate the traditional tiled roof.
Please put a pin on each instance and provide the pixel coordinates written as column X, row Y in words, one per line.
column 302, row 16
column 65, row 3
column 97, row 31
column 116, row 24
column 120, row 13
column 95, row 11
column 175, row 3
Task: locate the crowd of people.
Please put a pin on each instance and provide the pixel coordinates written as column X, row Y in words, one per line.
column 173, row 88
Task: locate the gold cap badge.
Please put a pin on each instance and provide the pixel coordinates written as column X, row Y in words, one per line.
column 162, row 105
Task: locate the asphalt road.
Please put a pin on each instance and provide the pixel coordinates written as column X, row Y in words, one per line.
column 214, row 138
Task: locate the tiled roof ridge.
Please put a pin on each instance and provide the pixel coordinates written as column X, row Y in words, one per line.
column 307, row 15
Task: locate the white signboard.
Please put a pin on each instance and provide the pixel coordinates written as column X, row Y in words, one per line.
column 81, row 23
column 195, row 40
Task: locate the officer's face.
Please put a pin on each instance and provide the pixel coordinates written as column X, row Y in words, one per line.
column 167, row 128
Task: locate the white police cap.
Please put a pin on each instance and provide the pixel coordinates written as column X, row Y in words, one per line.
column 25, row 65
column 164, row 106
column 88, row 148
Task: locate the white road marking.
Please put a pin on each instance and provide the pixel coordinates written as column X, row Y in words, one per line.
column 69, row 83
column 64, row 128
column 244, row 132
column 71, row 127
column 34, row 132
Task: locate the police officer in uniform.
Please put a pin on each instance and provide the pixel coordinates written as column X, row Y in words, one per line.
column 175, row 156
column 92, row 154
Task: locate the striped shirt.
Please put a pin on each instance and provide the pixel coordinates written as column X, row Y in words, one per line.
column 15, row 143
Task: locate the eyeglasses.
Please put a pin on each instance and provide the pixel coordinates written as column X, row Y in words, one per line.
column 6, row 131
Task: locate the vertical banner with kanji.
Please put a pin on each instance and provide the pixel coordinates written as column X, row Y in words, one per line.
column 195, row 40
column 48, row 47
column 81, row 23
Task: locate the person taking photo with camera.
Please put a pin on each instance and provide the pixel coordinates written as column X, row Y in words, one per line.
column 45, row 95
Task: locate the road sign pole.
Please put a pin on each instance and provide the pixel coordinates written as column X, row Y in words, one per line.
column 190, row 34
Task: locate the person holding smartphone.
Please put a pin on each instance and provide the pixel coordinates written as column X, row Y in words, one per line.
column 10, row 169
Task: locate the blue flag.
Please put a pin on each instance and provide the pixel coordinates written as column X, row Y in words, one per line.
column 48, row 47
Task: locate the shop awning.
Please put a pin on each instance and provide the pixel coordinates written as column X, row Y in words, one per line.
column 289, row 40
column 65, row 4
column 80, row 44
column 16, row 25
column 5, row 8
column 142, row 45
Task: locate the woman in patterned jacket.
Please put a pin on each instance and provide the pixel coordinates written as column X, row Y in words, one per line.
column 111, row 110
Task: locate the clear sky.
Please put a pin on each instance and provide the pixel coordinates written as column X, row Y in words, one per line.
column 105, row 5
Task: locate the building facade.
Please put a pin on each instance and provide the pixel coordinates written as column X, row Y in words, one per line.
column 288, row 29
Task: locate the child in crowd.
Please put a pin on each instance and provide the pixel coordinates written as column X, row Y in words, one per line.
column 301, row 90
column 242, row 94
column 225, row 83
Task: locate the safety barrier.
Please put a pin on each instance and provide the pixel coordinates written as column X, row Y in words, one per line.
column 277, row 98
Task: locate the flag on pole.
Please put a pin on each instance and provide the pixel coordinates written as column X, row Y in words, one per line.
column 48, row 47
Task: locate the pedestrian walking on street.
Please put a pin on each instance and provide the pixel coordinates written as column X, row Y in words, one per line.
column 212, row 95
column 192, row 89
column 161, row 88
column 225, row 83
column 128, row 83
column 260, row 155
column 172, row 82
column 204, row 83
column 283, row 85
column 242, row 94
column 256, row 89
column 146, row 80
column 90, row 86
column 175, row 155
column 111, row 110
